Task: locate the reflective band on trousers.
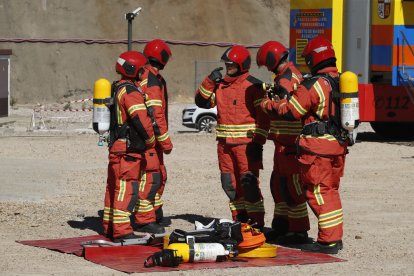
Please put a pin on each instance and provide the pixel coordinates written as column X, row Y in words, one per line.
column 318, row 195
column 299, row 211
column 143, row 181
column 116, row 216
column 144, row 206
column 281, row 209
column 158, row 200
column 330, row 215
column 256, row 207
column 237, row 204
column 297, row 184
column 122, row 188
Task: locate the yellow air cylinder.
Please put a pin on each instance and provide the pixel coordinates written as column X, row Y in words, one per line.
column 348, row 86
column 203, row 252
column 101, row 113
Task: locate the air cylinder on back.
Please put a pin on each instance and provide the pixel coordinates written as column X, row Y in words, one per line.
column 101, row 113
column 348, row 86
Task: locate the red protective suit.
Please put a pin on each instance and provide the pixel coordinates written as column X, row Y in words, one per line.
column 240, row 121
column 322, row 157
column 125, row 163
column 290, row 212
column 154, row 87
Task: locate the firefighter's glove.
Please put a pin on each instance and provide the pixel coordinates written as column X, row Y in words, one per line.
column 216, row 75
column 273, row 97
column 280, row 91
column 255, row 151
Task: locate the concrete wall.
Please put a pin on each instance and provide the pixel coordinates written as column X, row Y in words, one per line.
column 53, row 72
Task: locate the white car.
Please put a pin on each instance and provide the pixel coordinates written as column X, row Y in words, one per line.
column 199, row 118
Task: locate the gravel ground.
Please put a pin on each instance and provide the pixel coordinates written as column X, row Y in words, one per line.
column 54, row 188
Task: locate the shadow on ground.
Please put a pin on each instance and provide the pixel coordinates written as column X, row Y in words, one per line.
column 373, row 137
column 91, row 223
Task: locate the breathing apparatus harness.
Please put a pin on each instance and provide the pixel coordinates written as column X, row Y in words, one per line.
column 331, row 126
column 124, row 131
column 226, row 233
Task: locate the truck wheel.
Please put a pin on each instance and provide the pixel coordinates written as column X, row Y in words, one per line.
column 394, row 130
column 203, row 123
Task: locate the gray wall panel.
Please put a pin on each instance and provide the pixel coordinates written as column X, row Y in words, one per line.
column 358, row 38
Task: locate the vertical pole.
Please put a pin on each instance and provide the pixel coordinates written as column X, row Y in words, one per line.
column 195, row 77
column 8, row 87
column 130, row 35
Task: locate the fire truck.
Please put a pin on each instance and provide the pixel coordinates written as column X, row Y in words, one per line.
column 371, row 38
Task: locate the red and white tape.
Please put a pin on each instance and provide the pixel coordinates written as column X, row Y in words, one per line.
column 85, row 100
column 69, row 110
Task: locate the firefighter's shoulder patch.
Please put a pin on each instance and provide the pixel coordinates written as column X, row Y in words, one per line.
column 153, row 80
column 308, row 83
column 256, row 82
column 286, row 75
column 132, row 88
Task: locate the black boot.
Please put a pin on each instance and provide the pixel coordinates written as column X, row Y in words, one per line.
column 151, row 227
column 293, row 238
column 340, row 245
column 327, row 248
column 129, row 236
column 164, row 221
column 160, row 219
column 271, row 236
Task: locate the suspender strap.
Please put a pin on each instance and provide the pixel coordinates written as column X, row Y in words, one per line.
column 190, row 242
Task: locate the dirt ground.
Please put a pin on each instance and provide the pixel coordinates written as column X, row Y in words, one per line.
column 54, row 188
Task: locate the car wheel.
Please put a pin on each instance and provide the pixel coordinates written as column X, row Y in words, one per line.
column 204, row 123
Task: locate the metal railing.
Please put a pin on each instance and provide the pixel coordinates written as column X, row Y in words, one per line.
column 409, row 86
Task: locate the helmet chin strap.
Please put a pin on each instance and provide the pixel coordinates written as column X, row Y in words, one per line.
column 238, row 73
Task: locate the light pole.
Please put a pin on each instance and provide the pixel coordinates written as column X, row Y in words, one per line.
column 130, row 16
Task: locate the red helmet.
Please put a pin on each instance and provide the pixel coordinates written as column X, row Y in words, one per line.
column 271, row 54
column 157, row 50
column 318, row 50
column 239, row 55
column 130, row 62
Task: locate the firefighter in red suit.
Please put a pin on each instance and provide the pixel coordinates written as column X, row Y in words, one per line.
column 290, row 221
column 242, row 129
column 149, row 216
column 320, row 146
column 131, row 139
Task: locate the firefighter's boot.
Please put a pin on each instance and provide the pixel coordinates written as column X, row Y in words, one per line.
column 164, row 221
column 319, row 247
column 129, row 236
column 160, row 219
column 293, row 238
column 151, row 227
